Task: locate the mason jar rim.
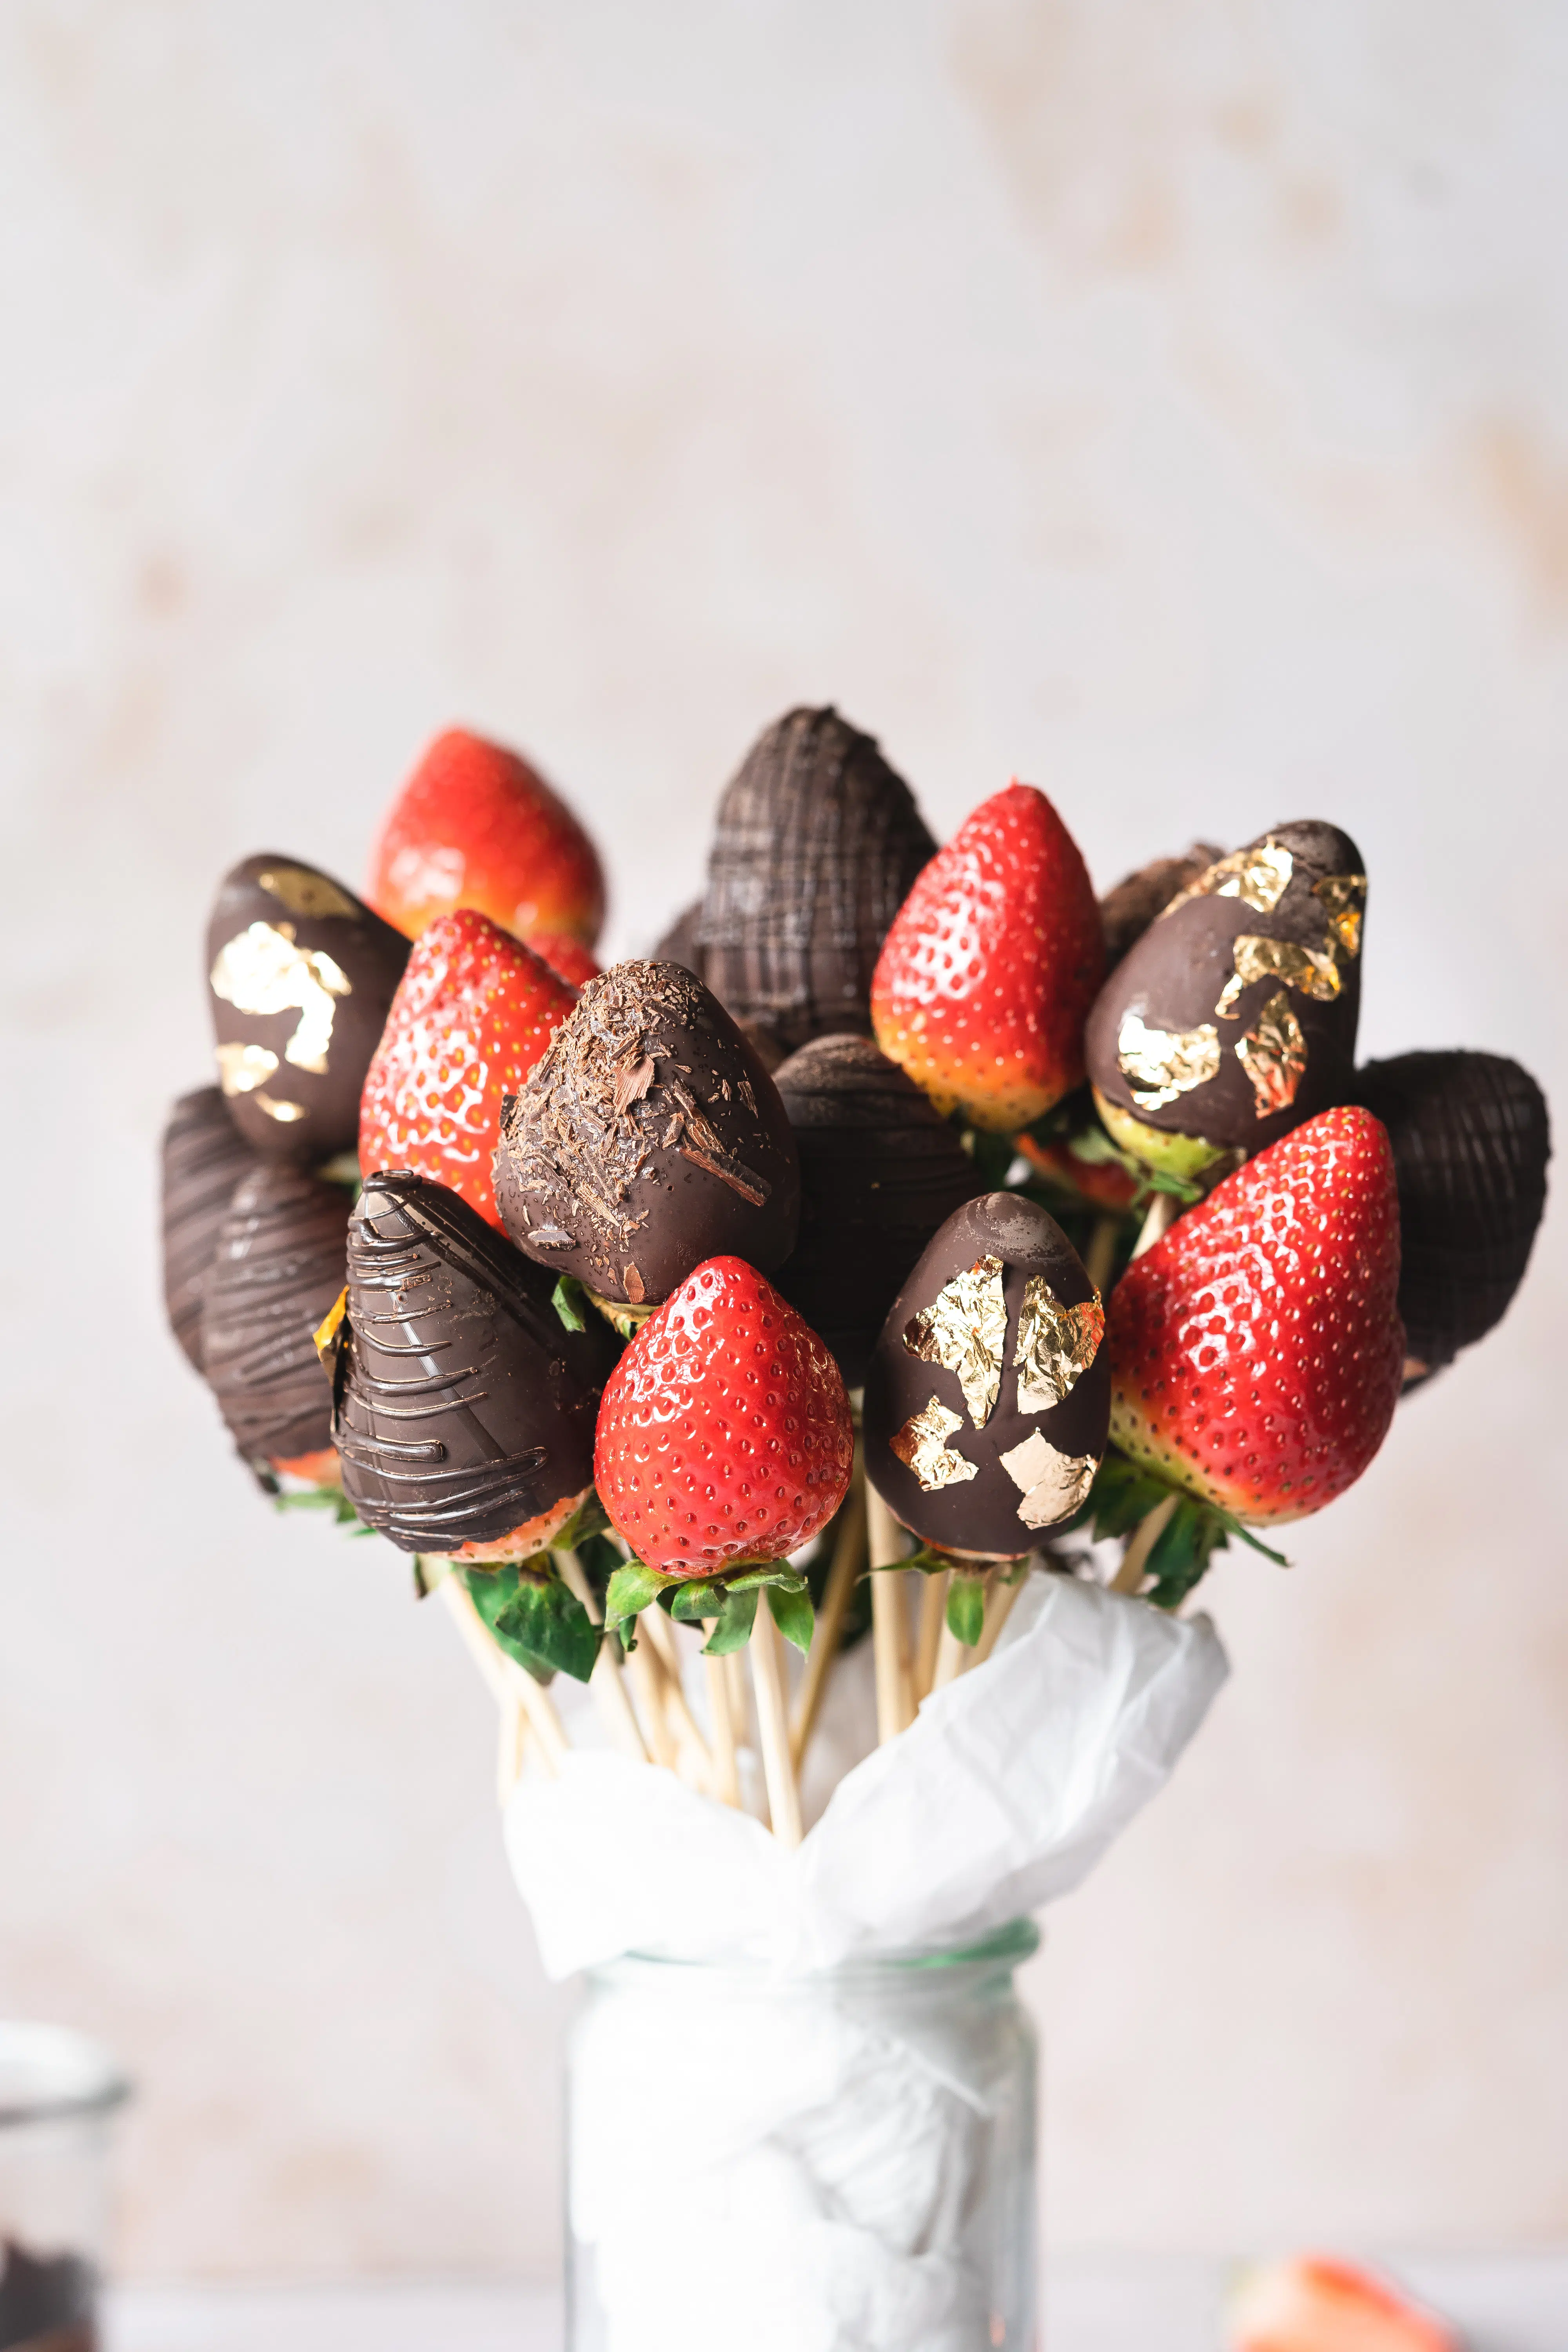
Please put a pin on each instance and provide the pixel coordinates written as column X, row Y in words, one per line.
column 1013, row 1943
column 51, row 2072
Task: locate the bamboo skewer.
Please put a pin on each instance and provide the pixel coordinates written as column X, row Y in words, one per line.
column 933, row 1624
column 510, row 1750
column 655, row 1627
column 610, row 1696
column 506, row 1679
column 999, row 1605
column 1157, row 1223
column 773, row 1725
column 890, row 1622
column 1100, row 1256
column 842, row 1578
column 1130, row 1575
column 648, row 1684
column 721, row 1714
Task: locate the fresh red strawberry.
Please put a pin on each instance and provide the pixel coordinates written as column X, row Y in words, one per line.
column 1310, row 2304
column 724, row 1431
column 1256, row 1350
column 1105, row 1183
column 476, row 827
column 565, row 955
column 473, row 1013
column 987, row 977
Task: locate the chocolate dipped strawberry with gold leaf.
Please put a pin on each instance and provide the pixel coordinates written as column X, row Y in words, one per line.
column 988, row 1397
column 1233, row 1018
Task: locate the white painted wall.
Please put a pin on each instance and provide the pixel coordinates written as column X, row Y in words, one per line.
column 1164, row 403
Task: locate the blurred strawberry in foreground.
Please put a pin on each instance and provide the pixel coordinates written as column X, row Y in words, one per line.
column 565, row 955
column 1313, row 2304
column 476, row 827
column 724, row 1434
column 1256, row 1350
column 472, row 1014
column 987, row 977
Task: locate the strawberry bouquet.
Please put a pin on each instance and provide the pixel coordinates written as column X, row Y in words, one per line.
column 815, row 1365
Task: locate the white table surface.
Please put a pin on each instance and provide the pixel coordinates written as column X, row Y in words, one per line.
column 1501, row 2304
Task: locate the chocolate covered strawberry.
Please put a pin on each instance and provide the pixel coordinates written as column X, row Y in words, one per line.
column 1315, row 2304
column 724, row 1434
column 472, row 1014
column 993, row 961
column 1256, row 1350
column 476, row 826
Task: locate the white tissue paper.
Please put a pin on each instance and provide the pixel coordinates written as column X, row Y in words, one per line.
column 845, row 2151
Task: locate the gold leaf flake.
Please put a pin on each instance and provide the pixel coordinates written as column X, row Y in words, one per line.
column 1273, row 1056
column 261, row 970
column 922, row 1446
column 1161, row 1063
column 243, row 1069
column 283, row 1111
column 304, row 893
column 1056, row 1345
column 1345, row 901
column 964, row 1329
column 324, row 1336
column 1315, row 974
column 1053, row 1484
column 1259, row 878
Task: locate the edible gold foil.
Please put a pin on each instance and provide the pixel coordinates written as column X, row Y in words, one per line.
column 1259, row 878
column 1161, row 1063
column 243, row 1069
column 964, row 1329
column 262, row 970
column 1273, row 1056
column 1316, row 975
column 326, row 1331
column 922, row 1446
column 1344, row 900
column 283, row 1111
column 1056, row 1345
column 1053, row 1484
column 304, row 893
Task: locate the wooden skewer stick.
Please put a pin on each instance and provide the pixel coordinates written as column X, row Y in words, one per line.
column 1130, row 1575
column 1157, row 1223
column 610, row 1696
column 1100, row 1256
column 848, row 1557
column 648, row 1682
column 772, row 1725
column 509, row 1750
column 506, row 1679
column 999, row 1605
column 889, row 1623
column 726, row 1764
column 656, row 1626
column 933, row 1624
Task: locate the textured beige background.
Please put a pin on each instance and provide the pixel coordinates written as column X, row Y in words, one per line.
column 1165, row 401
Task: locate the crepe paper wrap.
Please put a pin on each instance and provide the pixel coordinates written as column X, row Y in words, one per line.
column 1002, row 1796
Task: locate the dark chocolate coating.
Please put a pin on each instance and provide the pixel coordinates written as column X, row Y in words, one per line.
column 816, row 847
column 1174, row 975
column 648, row 1138
column 334, row 965
column 880, row 1172
column 278, row 1268
column 47, row 2301
column 1471, row 1140
column 980, row 1514
column 678, row 944
column 204, row 1156
column 1127, row 911
column 463, row 1407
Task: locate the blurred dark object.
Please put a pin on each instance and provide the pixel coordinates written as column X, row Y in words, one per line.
column 1127, row 911
column 47, row 2301
column 204, row 1156
column 1471, row 1139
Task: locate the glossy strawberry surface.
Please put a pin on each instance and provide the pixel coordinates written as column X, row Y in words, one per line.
column 987, row 977
column 1313, row 2304
column 1256, row 1350
column 565, row 955
column 725, row 1432
column 476, row 827
column 472, row 1014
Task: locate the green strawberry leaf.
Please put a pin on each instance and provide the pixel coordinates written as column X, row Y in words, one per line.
column 733, row 1631
column 430, row 1568
column 704, row 1596
column 792, row 1613
column 545, row 1619
column 567, row 1300
column 929, row 1561
column 1233, row 1527
column 491, row 1591
column 765, row 1572
column 590, row 1518
column 966, row 1607
column 632, row 1589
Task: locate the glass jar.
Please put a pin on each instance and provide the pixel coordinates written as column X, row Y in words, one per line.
column 804, row 2163
column 59, row 2093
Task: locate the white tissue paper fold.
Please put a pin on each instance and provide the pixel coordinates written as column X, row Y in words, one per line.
column 857, row 2156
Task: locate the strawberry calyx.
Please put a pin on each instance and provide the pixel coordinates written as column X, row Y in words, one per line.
column 1124, row 1493
column 729, row 1599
